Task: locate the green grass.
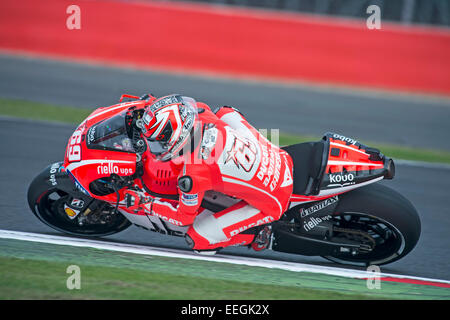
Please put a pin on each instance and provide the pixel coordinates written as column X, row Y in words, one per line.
column 38, row 271
column 41, row 111
column 32, row 270
column 32, row 279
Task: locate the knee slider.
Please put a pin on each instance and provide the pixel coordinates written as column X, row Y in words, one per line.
column 189, row 241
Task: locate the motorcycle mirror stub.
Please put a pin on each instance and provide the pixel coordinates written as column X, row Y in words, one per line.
column 127, row 96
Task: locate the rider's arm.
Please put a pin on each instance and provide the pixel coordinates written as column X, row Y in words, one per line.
column 182, row 213
column 235, row 119
column 191, row 191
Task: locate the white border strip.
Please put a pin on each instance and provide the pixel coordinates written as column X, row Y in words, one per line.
column 348, row 147
column 173, row 253
column 348, row 163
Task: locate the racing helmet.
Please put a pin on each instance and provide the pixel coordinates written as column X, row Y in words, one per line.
column 168, row 123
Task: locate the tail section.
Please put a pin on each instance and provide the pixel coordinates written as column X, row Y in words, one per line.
column 351, row 164
column 334, row 165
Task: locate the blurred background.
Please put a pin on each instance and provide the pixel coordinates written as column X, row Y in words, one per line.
column 304, row 67
column 323, row 65
column 435, row 12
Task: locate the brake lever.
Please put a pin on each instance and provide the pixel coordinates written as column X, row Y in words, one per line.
column 117, row 182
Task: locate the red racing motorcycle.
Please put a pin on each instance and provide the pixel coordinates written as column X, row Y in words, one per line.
column 337, row 209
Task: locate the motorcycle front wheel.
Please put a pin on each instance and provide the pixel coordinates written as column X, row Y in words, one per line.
column 48, row 204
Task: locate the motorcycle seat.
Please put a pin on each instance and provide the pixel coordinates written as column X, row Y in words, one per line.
column 308, row 159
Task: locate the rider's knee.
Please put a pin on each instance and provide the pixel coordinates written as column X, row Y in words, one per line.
column 206, row 230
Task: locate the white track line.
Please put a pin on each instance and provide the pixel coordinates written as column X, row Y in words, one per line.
column 173, row 253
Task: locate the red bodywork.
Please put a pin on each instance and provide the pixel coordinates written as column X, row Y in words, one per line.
column 347, row 160
column 85, row 164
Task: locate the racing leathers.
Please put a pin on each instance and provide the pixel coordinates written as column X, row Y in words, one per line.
column 230, row 156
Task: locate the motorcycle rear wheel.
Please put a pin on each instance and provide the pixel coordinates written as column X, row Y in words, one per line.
column 388, row 217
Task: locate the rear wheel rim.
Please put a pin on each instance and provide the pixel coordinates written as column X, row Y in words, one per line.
column 390, row 242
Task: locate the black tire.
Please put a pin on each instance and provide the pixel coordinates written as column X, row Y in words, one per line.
column 378, row 202
column 45, row 200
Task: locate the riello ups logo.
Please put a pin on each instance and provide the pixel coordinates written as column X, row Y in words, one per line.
column 110, row 168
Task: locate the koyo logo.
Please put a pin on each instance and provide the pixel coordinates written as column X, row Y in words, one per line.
column 337, row 178
column 344, row 138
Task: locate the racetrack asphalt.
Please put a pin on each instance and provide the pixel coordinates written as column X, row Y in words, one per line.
column 26, row 147
column 396, row 119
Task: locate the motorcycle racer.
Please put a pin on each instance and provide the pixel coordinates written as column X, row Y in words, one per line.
column 217, row 151
column 173, row 166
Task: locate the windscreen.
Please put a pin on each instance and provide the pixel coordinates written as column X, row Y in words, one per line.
column 110, row 134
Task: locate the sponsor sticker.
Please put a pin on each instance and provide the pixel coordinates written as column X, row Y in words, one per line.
column 269, row 170
column 314, row 222
column 164, row 102
column 77, row 203
column 77, row 184
column 341, row 180
column 170, row 220
column 287, row 180
column 71, row 213
column 266, row 219
column 344, row 138
column 319, row 206
column 111, row 168
column 91, row 134
column 208, row 142
column 189, row 199
column 53, row 170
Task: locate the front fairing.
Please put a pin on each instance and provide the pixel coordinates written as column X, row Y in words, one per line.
column 98, row 148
